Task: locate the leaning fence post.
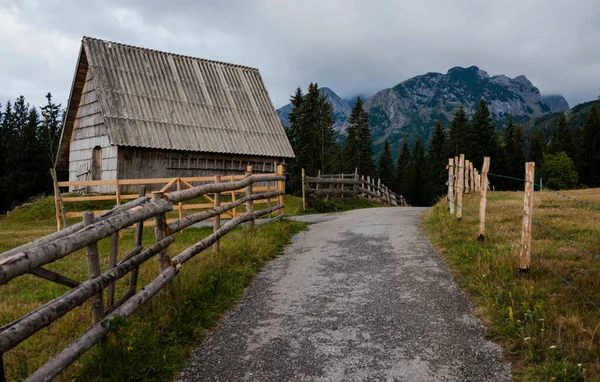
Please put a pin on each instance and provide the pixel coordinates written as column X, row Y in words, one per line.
column 58, row 204
column 483, row 200
column 303, row 192
column 460, row 186
column 249, row 204
column 467, row 183
column 281, row 188
column 160, row 232
column 93, row 262
column 451, row 185
column 217, row 222
column 527, row 216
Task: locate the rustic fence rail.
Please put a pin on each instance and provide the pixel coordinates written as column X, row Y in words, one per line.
column 347, row 185
column 31, row 257
column 161, row 184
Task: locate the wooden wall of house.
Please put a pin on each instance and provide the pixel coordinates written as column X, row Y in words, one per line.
column 89, row 132
column 140, row 163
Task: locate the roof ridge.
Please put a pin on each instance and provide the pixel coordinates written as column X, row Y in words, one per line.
column 84, row 38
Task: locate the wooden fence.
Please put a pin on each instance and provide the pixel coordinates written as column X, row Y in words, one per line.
column 62, row 217
column 32, row 257
column 347, row 185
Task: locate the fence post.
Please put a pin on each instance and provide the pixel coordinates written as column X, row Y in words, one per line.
column 483, row 200
column 139, row 233
column 114, row 251
column 280, row 187
column 369, row 186
column 460, row 186
column 249, row 204
column 355, row 187
column 303, row 192
column 93, row 262
column 233, row 198
column 160, row 232
column 451, row 185
column 217, row 222
column 455, row 177
column 466, row 184
column 180, row 204
column 472, row 176
column 527, row 216
column 58, row 204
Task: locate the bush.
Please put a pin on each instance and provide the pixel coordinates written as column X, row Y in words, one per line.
column 558, row 171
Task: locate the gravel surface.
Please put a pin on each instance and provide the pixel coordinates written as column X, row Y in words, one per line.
column 360, row 296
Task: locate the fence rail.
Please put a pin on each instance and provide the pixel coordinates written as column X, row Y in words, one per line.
column 347, row 185
column 31, row 257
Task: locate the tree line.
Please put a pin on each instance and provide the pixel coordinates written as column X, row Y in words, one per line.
column 569, row 159
column 29, row 140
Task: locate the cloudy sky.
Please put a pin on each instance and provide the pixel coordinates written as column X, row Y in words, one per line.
column 352, row 46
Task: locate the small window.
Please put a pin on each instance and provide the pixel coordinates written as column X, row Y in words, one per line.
column 96, row 163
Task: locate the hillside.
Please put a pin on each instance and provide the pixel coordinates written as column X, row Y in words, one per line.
column 576, row 117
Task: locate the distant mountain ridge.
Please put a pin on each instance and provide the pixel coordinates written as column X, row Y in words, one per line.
column 411, row 108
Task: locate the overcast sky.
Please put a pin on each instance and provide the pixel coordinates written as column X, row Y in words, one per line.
column 352, row 46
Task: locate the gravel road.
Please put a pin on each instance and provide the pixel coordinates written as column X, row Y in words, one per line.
column 360, row 296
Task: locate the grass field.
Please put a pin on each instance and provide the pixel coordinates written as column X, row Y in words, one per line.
column 153, row 343
column 548, row 330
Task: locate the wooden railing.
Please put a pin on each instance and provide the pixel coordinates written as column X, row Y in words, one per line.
column 347, row 185
column 32, row 257
column 166, row 184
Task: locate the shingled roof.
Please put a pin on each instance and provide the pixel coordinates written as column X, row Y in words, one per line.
column 162, row 100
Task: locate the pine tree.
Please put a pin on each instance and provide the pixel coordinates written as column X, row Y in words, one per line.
column 508, row 145
column 562, row 138
column 330, row 150
column 51, row 128
column 403, row 170
column 358, row 152
column 294, row 183
column 485, row 142
column 437, row 160
column 518, row 155
column 537, row 148
column 308, row 135
column 417, row 194
column 589, row 159
column 385, row 166
column 459, row 134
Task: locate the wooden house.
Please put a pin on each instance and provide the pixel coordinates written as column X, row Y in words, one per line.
column 140, row 113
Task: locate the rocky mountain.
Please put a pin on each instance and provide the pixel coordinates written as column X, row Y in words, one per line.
column 556, row 102
column 411, row 108
column 341, row 110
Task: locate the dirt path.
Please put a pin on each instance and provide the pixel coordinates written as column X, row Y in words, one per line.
column 360, row 296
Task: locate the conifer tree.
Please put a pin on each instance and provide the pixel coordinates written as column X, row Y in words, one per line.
column 385, row 166
column 459, row 134
column 437, row 160
column 485, row 142
column 358, row 152
column 330, row 150
column 589, row 146
column 509, row 154
column 417, row 194
column 50, row 128
column 366, row 145
column 293, row 131
column 403, row 170
column 537, row 148
column 562, row 138
column 518, row 158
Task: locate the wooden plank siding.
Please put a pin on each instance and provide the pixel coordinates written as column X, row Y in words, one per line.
column 89, row 131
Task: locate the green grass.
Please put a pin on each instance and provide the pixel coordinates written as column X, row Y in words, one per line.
column 154, row 342
column 547, row 330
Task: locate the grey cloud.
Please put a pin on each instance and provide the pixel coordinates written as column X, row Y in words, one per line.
column 354, row 47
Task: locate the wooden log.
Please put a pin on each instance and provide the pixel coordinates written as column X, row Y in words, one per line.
column 472, row 176
column 280, row 187
column 70, row 230
column 137, row 242
column 466, row 173
column 94, row 271
column 303, row 191
column 483, row 199
column 217, row 221
column 195, row 192
column 97, row 332
column 180, row 204
column 58, row 204
column 54, row 277
column 527, row 217
column 315, row 180
column 160, row 232
column 451, row 185
column 15, row 332
column 367, row 192
column 460, row 186
column 112, row 262
column 331, row 191
column 455, row 177
column 249, row 205
column 234, row 210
